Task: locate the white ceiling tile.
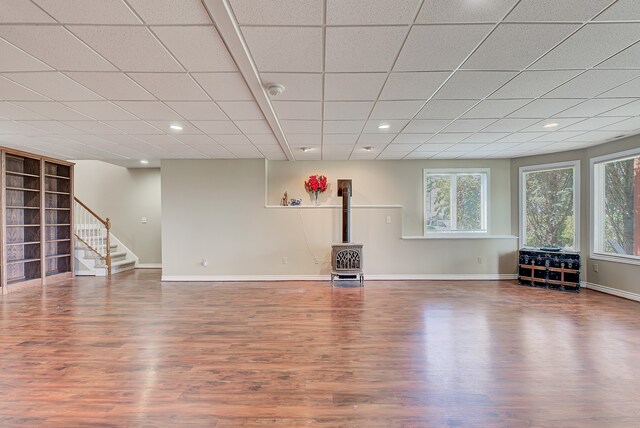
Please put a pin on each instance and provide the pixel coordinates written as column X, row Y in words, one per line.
column 445, row 109
column 510, row 125
column 195, row 140
column 371, row 127
column 486, row 137
column 562, row 124
column 375, row 139
column 53, row 127
column 89, row 11
column 435, row 147
column 314, row 154
column 165, row 126
column 593, row 124
column 241, row 110
column 412, row 138
column 304, row 110
column 590, row 45
column 278, row 12
column 21, row 129
column 254, row 126
column 135, row 127
column 468, row 125
column 353, row 86
column 595, row 107
column 23, row 12
column 340, row 110
column 92, row 127
column 390, row 156
column 500, row 146
column 100, row 110
column 627, row 125
column 455, row 42
column 522, row 137
column 592, row 83
column 301, row 126
column 412, row 86
column 197, row 48
column 596, row 136
column 303, row 140
column 515, row 46
column 628, row 58
column 298, row 87
column 551, row 10
column 54, row 85
column 149, row 110
column 494, row 109
column 342, row 126
column 129, row 48
column 366, row 12
column 171, row 12
column 558, row 136
column 466, row 147
column 263, row 139
column 629, row 89
column 217, row 127
column 246, row 152
column 159, row 140
column 425, row 126
column 10, row 111
column 231, row 140
column 340, row 139
column 543, row 108
column 10, row 91
column 631, row 109
column 473, row 84
column 448, row 138
column 53, row 110
column 288, row 49
column 198, row 110
column 622, row 10
column 170, row 86
column 434, row 11
column 15, row 59
column 401, row 147
column 56, row 46
column 396, row 109
column 362, row 48
column 532, row 84
column 112, row 86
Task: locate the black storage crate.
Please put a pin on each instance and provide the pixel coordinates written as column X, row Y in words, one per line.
column 549, row 269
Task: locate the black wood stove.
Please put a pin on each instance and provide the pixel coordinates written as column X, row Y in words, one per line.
column 346, row 258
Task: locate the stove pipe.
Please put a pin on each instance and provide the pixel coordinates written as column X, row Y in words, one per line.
column 344, row 190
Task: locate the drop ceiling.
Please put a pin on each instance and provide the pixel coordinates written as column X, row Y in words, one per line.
column 107, row 79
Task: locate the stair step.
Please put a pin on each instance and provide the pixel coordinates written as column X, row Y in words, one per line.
column 118, row 264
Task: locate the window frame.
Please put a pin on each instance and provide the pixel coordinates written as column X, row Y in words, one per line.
column 575, row 165
column 597, row 206
column 485, row 198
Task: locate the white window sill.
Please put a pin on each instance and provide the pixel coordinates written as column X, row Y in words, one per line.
column 459, row 236
column 629, row 260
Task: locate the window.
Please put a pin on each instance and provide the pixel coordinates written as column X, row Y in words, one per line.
column 549, row 195
column 616, row 205
column 455, row 201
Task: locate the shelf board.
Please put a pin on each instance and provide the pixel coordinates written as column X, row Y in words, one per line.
column 14, row 262
column 57, row 240
column 14, row 207
column 58, row 224
column 22, row 243
column 53, row 192
column 23, row 189
column 58, row 256
column 57, row 176
column 23, row 225
column 58, row 209
column 23, row 174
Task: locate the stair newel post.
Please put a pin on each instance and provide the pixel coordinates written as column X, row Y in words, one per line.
column 108, row 258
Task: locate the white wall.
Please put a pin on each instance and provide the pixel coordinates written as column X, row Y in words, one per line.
column 215, row 209
column 125, row 196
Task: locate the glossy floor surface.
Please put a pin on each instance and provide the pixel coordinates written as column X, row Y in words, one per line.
column 135, row 352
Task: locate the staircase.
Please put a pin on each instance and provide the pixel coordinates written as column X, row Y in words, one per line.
column 97, row 251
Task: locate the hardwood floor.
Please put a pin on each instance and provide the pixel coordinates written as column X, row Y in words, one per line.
column 134, row 352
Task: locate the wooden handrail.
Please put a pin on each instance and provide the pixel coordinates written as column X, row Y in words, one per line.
column 88, row 246
column 93, row 213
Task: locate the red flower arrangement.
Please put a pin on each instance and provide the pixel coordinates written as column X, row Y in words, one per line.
column 317, row 183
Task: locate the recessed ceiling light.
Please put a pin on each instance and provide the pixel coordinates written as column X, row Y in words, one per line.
column 305, row 149
column 384, row 126
column 144, row 161
column 176, row 127
column 367, row 149
column 550, row 125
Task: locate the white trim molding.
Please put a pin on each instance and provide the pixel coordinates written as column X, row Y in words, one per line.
column 149, row 266
column 459, row 236
column 613, row 291
column 379, row 277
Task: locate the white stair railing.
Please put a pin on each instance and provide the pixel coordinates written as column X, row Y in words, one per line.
column 93, row 231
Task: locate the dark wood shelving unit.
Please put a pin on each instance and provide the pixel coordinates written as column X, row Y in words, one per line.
column 36, row 220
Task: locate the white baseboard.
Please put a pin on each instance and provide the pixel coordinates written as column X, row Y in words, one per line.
column 385, row 277
column 614, row 291
column 149, row 266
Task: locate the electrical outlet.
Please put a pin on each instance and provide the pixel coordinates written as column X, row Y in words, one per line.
column 284, row 260
column 143, row 220
column 205, row 262
column 479, row 260
column 595, row 267
column 388, row 219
